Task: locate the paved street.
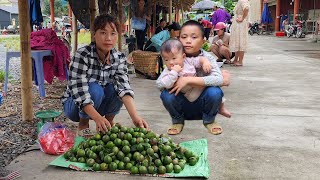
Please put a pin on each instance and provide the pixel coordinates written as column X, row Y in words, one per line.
column 274, row 132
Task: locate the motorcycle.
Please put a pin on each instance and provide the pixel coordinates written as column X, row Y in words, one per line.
column 295, row 30
column 254, row 28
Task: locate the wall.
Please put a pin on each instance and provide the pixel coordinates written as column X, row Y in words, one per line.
column 4, row 19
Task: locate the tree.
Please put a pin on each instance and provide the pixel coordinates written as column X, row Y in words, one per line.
column 59, row 8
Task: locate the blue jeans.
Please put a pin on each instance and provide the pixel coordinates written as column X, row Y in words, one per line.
column 205, row 107
column 105, row 101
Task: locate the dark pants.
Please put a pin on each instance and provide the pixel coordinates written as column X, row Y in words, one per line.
column 207, row 33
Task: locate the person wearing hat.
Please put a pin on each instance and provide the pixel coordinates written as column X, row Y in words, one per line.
column 220, row 43
column 172, row 31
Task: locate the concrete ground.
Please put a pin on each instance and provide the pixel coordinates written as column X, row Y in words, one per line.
column 274, row 132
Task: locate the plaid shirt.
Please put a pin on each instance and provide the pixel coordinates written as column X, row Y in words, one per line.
column 86, row 68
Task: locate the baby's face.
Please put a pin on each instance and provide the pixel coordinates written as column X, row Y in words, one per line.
column 192, row 39
column 173, row 58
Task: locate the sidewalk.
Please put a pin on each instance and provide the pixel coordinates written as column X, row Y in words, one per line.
column 274, row 130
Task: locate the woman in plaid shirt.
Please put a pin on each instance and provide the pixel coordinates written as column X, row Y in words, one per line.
column 98, row 83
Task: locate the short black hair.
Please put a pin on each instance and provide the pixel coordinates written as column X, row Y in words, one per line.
column 174, row 26
column 194, row 23
column 161, row 20
column 102, row 20
column 171, row 44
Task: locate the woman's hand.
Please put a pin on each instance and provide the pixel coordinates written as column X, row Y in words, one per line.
column 239, row 19
column 140, row 122
column 181, row 83
column 102, row 124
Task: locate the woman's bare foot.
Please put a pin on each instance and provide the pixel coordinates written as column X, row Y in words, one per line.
column 224, row 112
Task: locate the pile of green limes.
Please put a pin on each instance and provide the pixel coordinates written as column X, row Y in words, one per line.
column 134, row 149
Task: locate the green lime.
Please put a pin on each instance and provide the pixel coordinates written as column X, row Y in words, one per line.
column 73, row 159
column 121, row 165
column 121, row 135
column 117, row 142
column 115, row 150
column 94, row 148
column 74, row 150
column 99, row 148
column 143, row 130
column 175, row 161
column 113, row 166
column 101, row 154
column 158, row 162
column 152, row 170
column 105, row 138
column 110, row 145
column 116, row 161
column 177, row 169
column 136, row 129
column 167, row 160
column 120, row 155
column 188, row 154
column 128, row 166
column 162, row 170
column 85, row 144
column 144, row 152
column 129, row 155
column 123, row 129
column 155, row 148
column 172, row 155
column 140, row 147
column 141, row 135
column 92, row 143
column 130, row 130
column 134, row 170
column 93, row 155
column 100, row 142
column 146, row 140
column 103, row 166
column 133, row 141
column 126, row 149
column 150, row 152
column 81, row 160
column 135, row 134
column 115, row 129
column 96, row 167
column 107, row 159
column 90, row 162
column 145, row 162
column 68, row 154
column 127, row 136
column 181, row 164
column 97, row 137
column 125, row 143
column 169, row 168
column 126, row 159
column 136, row 155
column 143, row 170
column 192, row 161
column 140, row 158
column 140, row 140
column 167, row 149
column 113, row 137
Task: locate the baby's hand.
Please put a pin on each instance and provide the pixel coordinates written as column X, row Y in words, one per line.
column 177, row 68
column 206, row 66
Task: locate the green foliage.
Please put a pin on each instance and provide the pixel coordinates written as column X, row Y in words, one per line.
column 206, row 46
column 11, row 44
column 59, row 9
column 2, row 75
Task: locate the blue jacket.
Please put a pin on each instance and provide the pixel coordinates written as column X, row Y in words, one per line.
column 158, row 39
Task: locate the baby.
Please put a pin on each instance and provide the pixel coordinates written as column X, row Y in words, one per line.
column 177, row 64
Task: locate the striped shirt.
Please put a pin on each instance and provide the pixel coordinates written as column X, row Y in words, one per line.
column 85, row 68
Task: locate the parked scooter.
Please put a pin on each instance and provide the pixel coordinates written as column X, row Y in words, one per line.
column 254, row 28
column 296, row 30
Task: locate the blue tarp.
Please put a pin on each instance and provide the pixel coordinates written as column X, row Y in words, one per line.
column 266, row 16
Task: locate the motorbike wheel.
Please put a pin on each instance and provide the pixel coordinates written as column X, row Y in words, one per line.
column 299, row 33
column 250, row 32
column 259, row 31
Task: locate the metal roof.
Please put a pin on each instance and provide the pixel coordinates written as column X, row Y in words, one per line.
column 10, row 9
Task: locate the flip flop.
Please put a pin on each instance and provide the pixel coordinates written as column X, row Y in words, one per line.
column 212, row 127
column 86, row 133
column 175, row 127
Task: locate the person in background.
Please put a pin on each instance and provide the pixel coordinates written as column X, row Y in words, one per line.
column 141, row 12
column 219, row 15
column 239, row 31
column 220, row 44
column 161, row 26
column 207, row 27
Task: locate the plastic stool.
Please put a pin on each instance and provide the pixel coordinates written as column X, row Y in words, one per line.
column 45, row 116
